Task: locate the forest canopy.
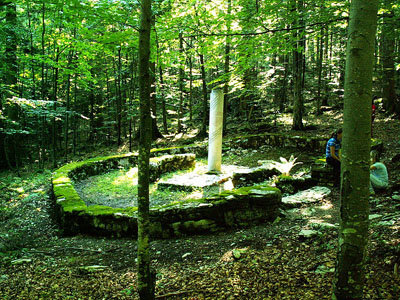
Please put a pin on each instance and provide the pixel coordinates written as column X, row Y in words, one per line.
column 69, row 71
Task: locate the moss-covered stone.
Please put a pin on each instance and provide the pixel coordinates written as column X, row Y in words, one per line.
column 229, row 209
column 291, row 185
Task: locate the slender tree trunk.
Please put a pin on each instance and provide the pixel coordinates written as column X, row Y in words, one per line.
column 298, row 70
column 163, row 108
column 75, row 118
column 153, row 103
column 226, row 65
column 67, row 113
column 92, row 127
column 146, row 280
column 325, row 70
column 10, row 79
column 181, row 74
column 119, row 99
column 353, row 232
column 43, row 81
column 387, row 48
column 31, row 52
column 190, row 84
column 203, row 130
column 320, row 53
column 54, row 125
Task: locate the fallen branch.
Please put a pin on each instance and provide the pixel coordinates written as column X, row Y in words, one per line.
column 175, row 293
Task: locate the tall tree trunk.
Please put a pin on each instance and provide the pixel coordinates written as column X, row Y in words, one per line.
column 298, row 69
column 203, row 130
column 388, row 54
column 320, row 58
column 75, row 117
column 54, row 124
column 67, row 113
column 92, row 127
column 353, row 232
column 31, row 50
column 11, row 110
column 43, row 81
column 181, row 74
column 119, row 99
column 163, row 108
column 146, row 280
column 153, row 103
column 226, row 65
column 191, row 83
column 325, row 70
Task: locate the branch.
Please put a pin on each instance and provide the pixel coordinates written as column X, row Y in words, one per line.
column 266, row 31
column 175, row 293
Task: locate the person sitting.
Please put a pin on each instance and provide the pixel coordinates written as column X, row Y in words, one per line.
column 379, row 179
column 332, row 153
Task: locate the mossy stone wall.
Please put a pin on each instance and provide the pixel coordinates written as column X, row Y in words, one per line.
column 237, row 208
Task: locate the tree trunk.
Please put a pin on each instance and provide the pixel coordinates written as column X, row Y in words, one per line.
column 153, row 103
column 43, row 81
column 54, row 125
column 353, row 232
column 298, row 69
column 164, row 110
column 146, row 280
column 67, row 113
column 388, row 54
column 203, row 130
column 119, row 99
column 10, row 67
column 320, row 58
column 181, row 74
column 226, row 66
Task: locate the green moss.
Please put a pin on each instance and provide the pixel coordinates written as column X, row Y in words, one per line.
column 285, row 178
column 247, row 190
column 100, row 210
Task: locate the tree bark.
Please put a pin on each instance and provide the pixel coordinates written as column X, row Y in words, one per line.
column 145, row 276
column 388, row 54
column 10, row 79
column 181, row 75
column 298, row 69
column 353, row 232
column 226, row 65
column 320, row 58
column 203, row 130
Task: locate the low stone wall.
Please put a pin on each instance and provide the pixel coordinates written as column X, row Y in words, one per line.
column 235, row 208
column 279, row 140
column 72, row 210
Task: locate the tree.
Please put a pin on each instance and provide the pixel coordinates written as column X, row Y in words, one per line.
column 145, row 278
column 353, row 232
column 9, row 140
column 298, row 66
column 388, row 53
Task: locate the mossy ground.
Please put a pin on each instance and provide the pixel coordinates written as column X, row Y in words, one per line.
column 118, row 188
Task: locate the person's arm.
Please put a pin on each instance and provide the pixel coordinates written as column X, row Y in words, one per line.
column 333, row 154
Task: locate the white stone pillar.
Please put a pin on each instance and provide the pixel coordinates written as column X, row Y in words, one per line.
column 215, row 130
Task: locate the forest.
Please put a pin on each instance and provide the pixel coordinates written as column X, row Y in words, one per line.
column 126, row 85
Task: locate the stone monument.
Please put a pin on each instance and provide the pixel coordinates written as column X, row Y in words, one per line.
column 215, row 131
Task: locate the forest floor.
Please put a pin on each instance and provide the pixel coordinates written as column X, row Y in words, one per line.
column 268, row 261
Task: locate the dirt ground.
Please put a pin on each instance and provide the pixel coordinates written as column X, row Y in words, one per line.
column 269, row 261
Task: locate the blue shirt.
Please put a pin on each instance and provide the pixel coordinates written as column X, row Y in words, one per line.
column 335, row 143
